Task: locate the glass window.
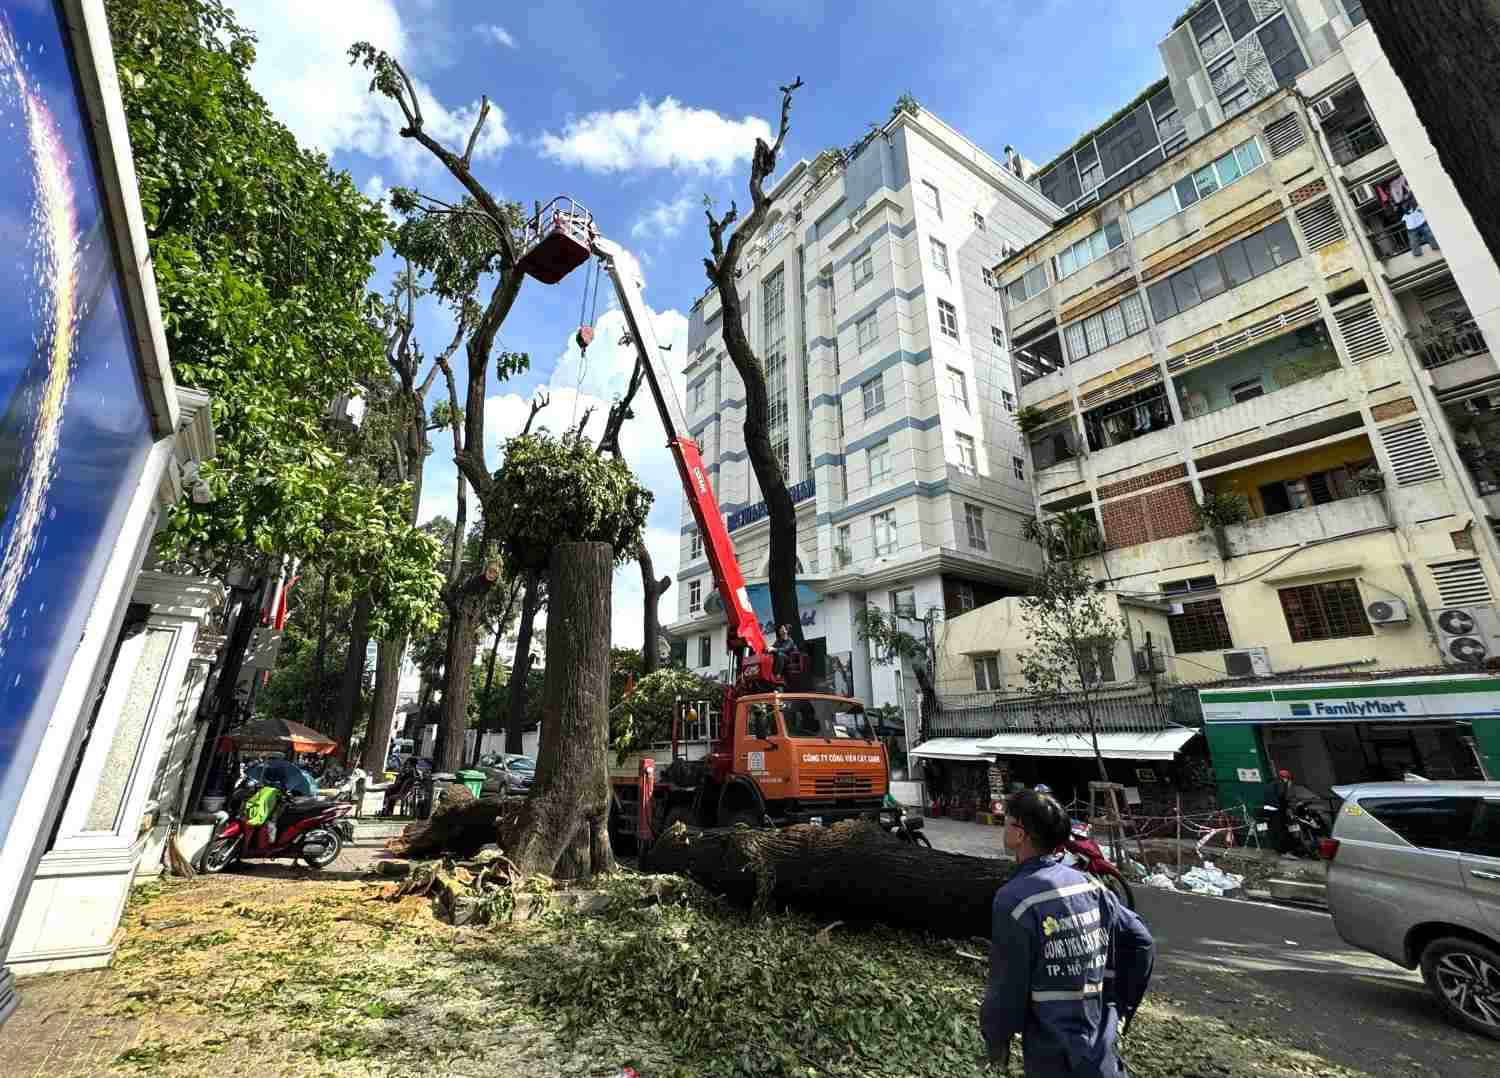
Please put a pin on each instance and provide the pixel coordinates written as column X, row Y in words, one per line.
column 1114, row 324
column 1185, row 288
column 1008, row 399
column 989, row 276
column 1283, row 245
column 939, row 256
column 1163, row 303
column 1134, row 312
column 1018, row 466
column 695, row 545
column 997, row 337
column 1236, row 264
column 987, row 673
column 1207, row 180
column 705, row 650
column 695, row 596
column 974, row 524
column 884, row 528
column 864, row 331
column 1229, row 169
column 879, row 457
column 1153, row 212
column 1098, row 246
column 1066, row 263
column 1093, row 328
column 873, row 392
column 864, row 267
column 1210, row 277
column 1249, row 155
column 948, row 318
column 1114, row 235
column 931, row 197
column 979, row 221
column 1324, row 611
column 1436, row 823
column 1187, row 191
column 1258, row 254
column 1078, row 345
column 968, row 458
column 958, row 387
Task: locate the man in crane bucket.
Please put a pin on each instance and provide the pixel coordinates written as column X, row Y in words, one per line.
column 1069, row 964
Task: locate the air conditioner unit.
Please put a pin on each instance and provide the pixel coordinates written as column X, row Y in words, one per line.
column 1248, row 662
column 1362, row 193
column 1154, row 663
column 1469, row 634
column 1387, row 611
column 1324, row 108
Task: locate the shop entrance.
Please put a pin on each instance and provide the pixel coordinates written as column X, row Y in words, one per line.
column 1322, row 757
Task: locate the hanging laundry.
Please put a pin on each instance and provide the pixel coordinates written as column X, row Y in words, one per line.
column 1399, row 189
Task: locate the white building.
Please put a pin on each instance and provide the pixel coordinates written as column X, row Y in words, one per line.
column 870, row 299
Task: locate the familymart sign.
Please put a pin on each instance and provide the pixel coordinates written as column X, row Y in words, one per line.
column 1395, row 700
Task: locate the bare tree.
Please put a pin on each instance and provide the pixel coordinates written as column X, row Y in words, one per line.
column 722, row 266
column 1447, row 54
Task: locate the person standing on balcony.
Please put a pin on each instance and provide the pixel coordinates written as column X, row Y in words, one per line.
column 1417, row 229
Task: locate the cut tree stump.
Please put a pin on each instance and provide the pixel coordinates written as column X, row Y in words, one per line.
column 852, row 870
column 461, row 825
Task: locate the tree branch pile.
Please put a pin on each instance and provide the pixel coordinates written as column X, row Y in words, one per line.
column 853, row 870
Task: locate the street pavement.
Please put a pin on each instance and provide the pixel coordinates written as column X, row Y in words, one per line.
column 1286, row 971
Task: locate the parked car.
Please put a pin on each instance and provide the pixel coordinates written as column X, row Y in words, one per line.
column 1414, row 876
column 506, row 773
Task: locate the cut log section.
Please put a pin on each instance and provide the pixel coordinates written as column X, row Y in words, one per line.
column 460, row 825
column 853, row 870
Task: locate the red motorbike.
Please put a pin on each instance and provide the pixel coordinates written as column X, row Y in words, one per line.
column 310, row 828
column 1083, row 853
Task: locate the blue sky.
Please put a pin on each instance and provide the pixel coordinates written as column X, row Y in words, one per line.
column 638, row 110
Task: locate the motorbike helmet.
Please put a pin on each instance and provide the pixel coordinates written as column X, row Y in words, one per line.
column 1284, row 774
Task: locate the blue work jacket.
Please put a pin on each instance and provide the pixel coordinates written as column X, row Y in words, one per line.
column 1067, row 963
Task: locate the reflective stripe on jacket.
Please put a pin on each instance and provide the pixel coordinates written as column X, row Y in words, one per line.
column 1067, row 961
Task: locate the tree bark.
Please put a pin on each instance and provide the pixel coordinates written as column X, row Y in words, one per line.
column 458, row 680
column 722, row 269
column 354, row 675
column 853, row 870
column 653, row 588
column 1447, row 54
column 569, row 794
column 315, row 693
column 520, row 669
column 383, row 710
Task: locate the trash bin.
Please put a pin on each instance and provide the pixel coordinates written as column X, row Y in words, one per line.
column 474, row 780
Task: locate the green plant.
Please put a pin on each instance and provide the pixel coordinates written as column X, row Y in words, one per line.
column 1220, row 510
column 891, row 643
column 1029, row 419
column 1072, row 533
column 644, row 718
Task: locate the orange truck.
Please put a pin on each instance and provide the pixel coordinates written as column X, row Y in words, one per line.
column 768, row 752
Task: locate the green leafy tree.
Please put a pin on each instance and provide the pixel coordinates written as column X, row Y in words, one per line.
column 262, row 254
column 1069, row 629
column 644, row 718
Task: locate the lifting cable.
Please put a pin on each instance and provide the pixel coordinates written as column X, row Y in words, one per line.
column 587, row 312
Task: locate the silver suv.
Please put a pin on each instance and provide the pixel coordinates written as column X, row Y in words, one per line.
column 1414, row 876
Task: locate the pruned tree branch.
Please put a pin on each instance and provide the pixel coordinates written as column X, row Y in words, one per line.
column 484, row 112
column 610, row 442
column 540, row 401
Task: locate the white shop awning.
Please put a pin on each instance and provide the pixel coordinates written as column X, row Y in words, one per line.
column 961, row 749
column 1156, row 745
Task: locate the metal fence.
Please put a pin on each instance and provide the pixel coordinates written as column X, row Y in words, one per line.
column 1351, row 145
column 988, row 714
column 1450, row 343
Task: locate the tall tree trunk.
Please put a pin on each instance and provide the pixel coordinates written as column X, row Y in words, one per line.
column 383, row 709
column 458, row 678
column 314, row 710
column 569, row 794
column 1447, row 54
column 654, row 589
column 490, row 715
column 354, row 675
column 521, row 668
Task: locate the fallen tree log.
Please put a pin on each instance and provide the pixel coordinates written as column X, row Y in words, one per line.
column 460, row 825
column 853, row 870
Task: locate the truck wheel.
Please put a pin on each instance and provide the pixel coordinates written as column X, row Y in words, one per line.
column 742, row 816
column 681, row 814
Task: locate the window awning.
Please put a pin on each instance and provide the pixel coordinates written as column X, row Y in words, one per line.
column 1156, row 745
column 961, row 749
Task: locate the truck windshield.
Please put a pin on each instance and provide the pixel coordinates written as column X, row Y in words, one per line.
column 836, row 719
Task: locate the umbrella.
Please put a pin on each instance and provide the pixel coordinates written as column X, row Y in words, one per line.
column 279, row 735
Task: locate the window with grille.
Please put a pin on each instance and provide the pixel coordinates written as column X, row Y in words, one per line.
column 968, row 457
column 1200, row 627
column 705, row 650
column 695, row 545
column 979, row 220
column 958, row 387
column 1363, row 335
column 1110, row 326
column 997, row 336
column 1008, row 399
column 1326, row 611
column 1461, row 583
column 773, row 321
column 864, row 331
column 1191, row 584
column 974, row 524
column 843, row 553
column 695, row 596
column 883, row 528
column 700, row 394
column 965, row 597
column 987, row 673
column 864, row 267
column 873, row 393
column 948, row 318
column 879, row 458
column 939, row 256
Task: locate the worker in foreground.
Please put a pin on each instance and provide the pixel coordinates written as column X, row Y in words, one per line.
column 1069, row 964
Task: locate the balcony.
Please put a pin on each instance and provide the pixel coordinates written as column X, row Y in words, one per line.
column 1343, row 516
column 1403, row 269
column 1476, row 436
column 1263, row 370
column 1127, row 418
column 1357, row 149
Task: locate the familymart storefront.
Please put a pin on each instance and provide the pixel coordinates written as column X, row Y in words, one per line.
column 1327, row 733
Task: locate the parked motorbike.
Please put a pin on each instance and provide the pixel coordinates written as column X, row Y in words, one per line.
column 1082, row 852
column 309, row 828
column 905, row 826
column 1304, row 824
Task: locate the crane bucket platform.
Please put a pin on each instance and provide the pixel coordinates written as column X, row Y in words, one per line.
column 558, row 240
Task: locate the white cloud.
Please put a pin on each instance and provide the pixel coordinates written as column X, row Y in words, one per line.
column 665, row 219
column 498, row 34
column 577, row 384
column 303, row 72
column 375, row 190
column 664, row 135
